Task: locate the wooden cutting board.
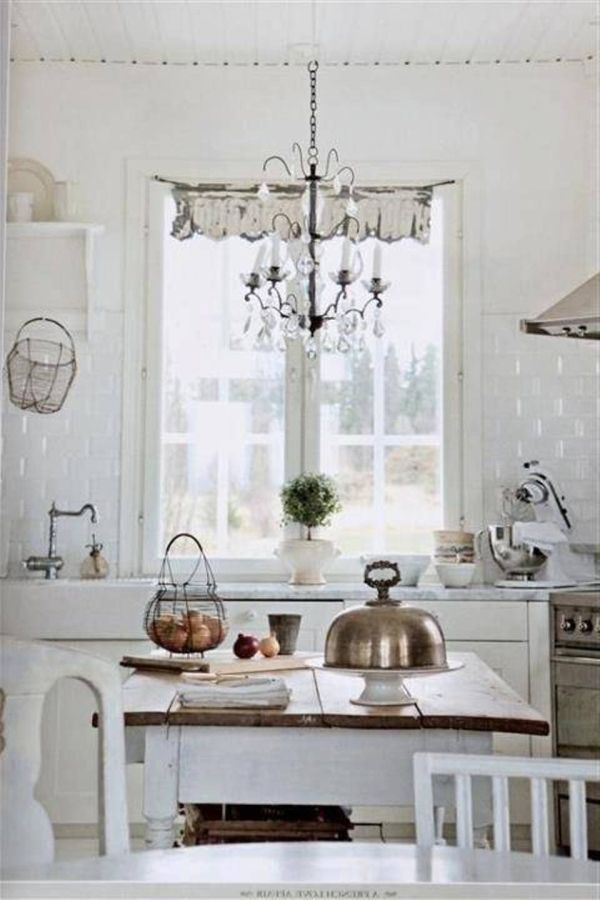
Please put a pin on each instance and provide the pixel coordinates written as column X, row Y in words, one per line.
column 261, row 664
column 227, row 666
column 165, row 663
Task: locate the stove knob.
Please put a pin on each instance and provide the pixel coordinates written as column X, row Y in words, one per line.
column 584, row 625
column 567, row 624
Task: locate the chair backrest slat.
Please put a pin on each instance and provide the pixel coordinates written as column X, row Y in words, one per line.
column 501, row 813
column 464, row 811
column 577, row 819
column 539, row 817
column 424, row 821
column 539, row 771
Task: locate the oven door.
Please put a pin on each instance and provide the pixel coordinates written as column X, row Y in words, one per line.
column 577, row 735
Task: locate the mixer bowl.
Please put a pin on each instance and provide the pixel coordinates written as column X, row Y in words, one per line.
column 517, row 560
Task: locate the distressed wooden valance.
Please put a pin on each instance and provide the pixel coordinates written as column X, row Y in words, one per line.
column 219, row 211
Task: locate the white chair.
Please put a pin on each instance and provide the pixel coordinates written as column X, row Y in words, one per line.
column 500, row 768
column 28, row 670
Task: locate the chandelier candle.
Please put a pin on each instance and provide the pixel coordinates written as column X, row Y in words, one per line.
column 300, row 309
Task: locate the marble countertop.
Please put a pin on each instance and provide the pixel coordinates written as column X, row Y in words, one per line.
column 282, row 591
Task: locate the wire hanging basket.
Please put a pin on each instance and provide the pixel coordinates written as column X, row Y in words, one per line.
column 40, row 371
column 186, row 617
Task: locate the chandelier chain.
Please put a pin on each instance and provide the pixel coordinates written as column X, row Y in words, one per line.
column 313, row 153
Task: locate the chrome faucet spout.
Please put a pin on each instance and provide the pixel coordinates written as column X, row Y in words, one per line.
column 54, row 512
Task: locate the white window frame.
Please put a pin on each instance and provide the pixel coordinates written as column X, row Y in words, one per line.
column 462, row 487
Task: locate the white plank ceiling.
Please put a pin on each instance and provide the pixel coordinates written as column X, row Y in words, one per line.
column 286, row 32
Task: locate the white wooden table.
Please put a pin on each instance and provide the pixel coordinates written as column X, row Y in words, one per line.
column 321, row 750
column 255, row 870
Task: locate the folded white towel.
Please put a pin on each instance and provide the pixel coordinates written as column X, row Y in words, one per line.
column 247, row 692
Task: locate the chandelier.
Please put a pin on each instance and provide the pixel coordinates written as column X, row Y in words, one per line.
column 285, row 289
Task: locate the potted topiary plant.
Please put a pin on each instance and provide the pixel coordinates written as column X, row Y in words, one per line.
column 310, row 500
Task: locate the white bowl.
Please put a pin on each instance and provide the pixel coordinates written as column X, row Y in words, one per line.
column 455, row 575
column 411, row 566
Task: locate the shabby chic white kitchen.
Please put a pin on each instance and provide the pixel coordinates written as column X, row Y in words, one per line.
column 301, row 404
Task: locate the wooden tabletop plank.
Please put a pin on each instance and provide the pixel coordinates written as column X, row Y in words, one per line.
column 474, row 698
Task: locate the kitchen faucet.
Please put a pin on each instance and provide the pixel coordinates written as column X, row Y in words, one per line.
column 51, row 564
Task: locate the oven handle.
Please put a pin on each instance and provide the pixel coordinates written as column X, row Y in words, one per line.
column 577, row 660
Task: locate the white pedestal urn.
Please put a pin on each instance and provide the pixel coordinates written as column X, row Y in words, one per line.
column 306, row 559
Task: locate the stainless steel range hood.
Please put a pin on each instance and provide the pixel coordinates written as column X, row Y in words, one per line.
column 577, row 315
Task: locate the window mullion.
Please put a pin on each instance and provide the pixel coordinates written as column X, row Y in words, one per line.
column 378, row 446
column 311, row 444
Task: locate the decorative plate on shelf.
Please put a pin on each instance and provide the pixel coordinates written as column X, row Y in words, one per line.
column 30, row 176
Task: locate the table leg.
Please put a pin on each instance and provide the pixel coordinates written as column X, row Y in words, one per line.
column 161, row 783
column 439, row 814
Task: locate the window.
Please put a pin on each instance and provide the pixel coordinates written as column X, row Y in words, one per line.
column 226, row 423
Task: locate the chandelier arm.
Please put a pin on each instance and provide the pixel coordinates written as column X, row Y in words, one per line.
column 333, row 306
column 352, row 174
column 291, row 225
column 252, row 295
column 296, row 148
column 274, row 290
column 292, row 308
column 374, row 299
column 345, row 219
column 331, row 155
column 278, row 159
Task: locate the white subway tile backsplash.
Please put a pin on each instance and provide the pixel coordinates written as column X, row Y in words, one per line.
column 556, row 397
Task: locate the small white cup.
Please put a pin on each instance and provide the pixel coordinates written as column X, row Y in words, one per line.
column 19, row 207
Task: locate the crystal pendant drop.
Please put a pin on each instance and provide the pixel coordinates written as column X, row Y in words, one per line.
column 310, row 348
column 327, row 342
column 343, row 344
column 291, row 327
column 378, row 326
column 264, row 192
column 305, row 264
column 269, row 318
column 336, row 184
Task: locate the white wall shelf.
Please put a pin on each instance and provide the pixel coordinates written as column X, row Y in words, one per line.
column 52, row 229
column 61, row 283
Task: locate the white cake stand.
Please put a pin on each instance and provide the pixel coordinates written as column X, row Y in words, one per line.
column 385, row 687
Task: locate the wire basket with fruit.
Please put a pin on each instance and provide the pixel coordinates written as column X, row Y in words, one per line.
column 186, row 617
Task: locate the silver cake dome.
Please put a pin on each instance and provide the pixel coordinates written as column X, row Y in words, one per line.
column 384, row 634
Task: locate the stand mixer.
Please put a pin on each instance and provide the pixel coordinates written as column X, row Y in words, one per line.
column 521, row 549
